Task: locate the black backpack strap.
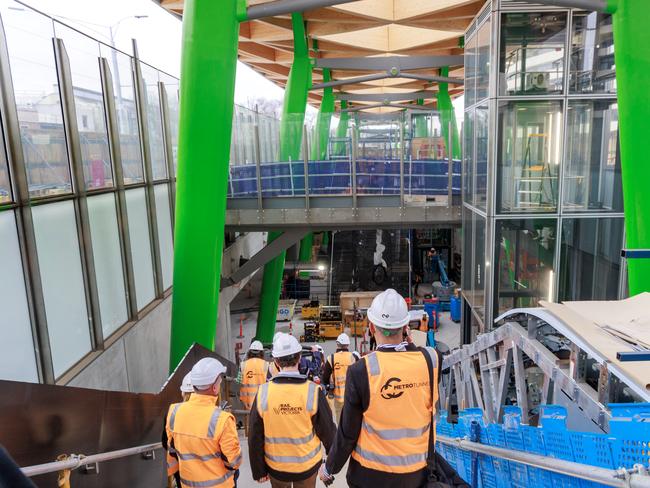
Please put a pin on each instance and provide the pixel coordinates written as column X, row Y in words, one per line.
column 431, row 357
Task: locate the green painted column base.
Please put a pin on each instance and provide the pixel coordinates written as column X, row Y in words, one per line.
column 631, row 39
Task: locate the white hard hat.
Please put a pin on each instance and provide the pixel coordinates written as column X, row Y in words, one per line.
column 343, row 339
column 285, row 345
column 206, row 372
column 186, row 385
column 256, row 346
column 389, row 310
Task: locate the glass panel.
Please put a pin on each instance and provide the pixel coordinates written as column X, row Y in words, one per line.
column 89, row 106
column 136, row 207
column 481, row 134
column 163, row 215
column 172, row 90
column 31, row 55
column 471, row 62
column 127, row 115
column 483, row 60
column 107, row 256
column 592, row 54
column 532, row 53
column 468, row 157
column 479, row 265
column 154, row 121
column 467, row 284
column 592, row 178
column 590, row 259
column 524, row 267
column 17, row 346
column 530, row 150
column 5, row 186
column 63, row 285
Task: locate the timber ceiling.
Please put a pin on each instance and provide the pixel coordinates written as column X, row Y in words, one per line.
column 361, row 28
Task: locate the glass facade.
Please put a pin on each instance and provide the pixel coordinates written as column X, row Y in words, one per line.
column 542, row 191
column 524, row 266
column 532, row 53
column 530, row 150
column 82, row 257
column 590, row 258
column 592, row 176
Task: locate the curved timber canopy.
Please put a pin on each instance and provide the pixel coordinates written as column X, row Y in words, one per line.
column 429, row 32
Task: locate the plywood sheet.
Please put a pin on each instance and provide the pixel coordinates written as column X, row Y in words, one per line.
column 601, row 340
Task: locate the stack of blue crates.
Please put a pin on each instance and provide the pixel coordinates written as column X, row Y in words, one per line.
column 627, row 444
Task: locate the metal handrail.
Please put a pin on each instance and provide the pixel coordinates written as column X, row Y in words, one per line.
column 78, row 460
column 621, row 478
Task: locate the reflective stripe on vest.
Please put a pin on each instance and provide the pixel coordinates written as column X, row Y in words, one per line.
column 208, row 483
column 254, row 372
column 290, row 443
column 195, row 428
column 340, row 362
column 395, row 429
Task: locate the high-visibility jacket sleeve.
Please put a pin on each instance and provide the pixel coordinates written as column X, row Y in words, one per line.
column 256, row 443
column 323, row 422
column 357, row 395
column 229, row 444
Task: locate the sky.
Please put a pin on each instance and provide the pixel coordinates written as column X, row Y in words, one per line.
column 158, row 35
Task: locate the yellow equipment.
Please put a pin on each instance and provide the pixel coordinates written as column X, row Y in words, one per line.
column 311, row 311
column 330, row 325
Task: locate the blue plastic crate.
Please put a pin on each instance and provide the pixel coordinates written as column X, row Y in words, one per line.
column 497, row 438
column 558, row 442
column 533, row 438
column 514, row 440
column 630, row 432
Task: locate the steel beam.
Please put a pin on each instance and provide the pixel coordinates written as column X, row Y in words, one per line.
column 266, row 254
column 351, row 81
column 385, row 97
column 432, row 79
column 389, row 62
column 596, row 5
column 283, row 7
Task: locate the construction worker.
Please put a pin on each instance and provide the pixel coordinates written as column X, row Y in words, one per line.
column 335, row 370
column 171, row 457
column 387, row 421
column 289, row 420
column 204, row 436
column 254, row 372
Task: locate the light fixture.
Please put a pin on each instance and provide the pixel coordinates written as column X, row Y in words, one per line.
column 321, row 267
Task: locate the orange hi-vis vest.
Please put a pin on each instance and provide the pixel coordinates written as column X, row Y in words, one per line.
column 254, row 371
column 290, row 443
column 340, row 362
column 205, row 441
column 172, row 462
column 396, row 426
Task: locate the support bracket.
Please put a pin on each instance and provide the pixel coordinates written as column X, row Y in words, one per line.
column 266, row 254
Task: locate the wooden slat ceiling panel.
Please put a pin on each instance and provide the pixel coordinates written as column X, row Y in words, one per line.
column 362, row 28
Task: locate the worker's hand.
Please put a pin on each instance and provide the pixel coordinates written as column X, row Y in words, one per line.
column 263, row 480
column 409, row 337
column 324, row 476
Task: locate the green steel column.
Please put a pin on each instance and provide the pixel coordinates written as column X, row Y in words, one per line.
column 324, row 120
column 447, row 115
column 306, row 246
column 291, row 130
column 209, row 57
column 631, row 41
column 420, row 123
column 342, row 129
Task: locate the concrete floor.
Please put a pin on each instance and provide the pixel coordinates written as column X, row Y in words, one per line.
column 448, row 332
